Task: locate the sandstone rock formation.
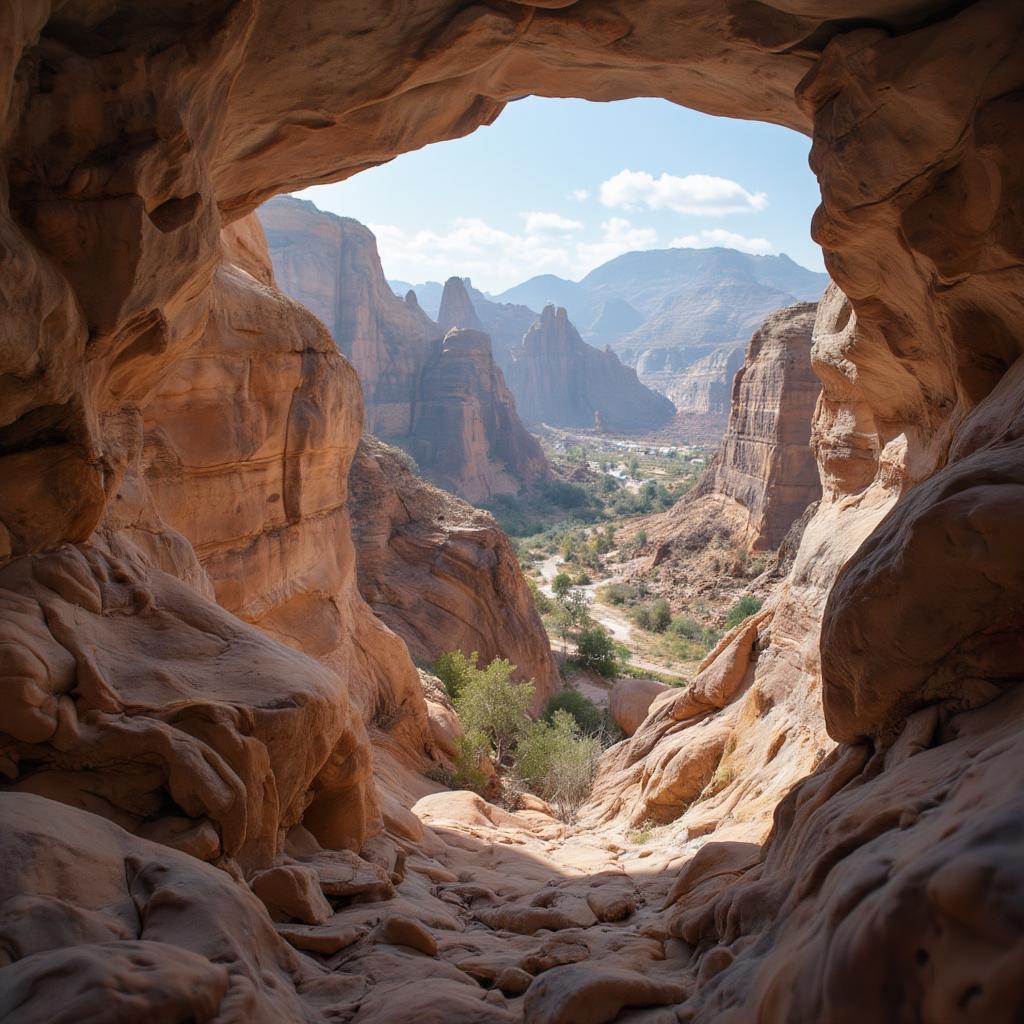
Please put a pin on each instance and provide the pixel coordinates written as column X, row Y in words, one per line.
column 428, row 395
column 886, row 886
column 764, row 474
column 330, row 264
column 466, row 434
column 439, row 572
column 559, row 379
column 631, row 701
column 457, row 309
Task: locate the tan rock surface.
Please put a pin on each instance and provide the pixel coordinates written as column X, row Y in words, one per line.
column 440, row 573
column 631, row 700
column 764, row 474
column 466, row 433
column 890, row 880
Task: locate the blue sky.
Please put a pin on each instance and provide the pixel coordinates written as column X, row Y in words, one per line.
column 560, row 186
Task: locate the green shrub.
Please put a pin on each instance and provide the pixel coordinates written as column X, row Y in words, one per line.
column 541, row 601
column 661, row 616
column 742, row 609
column 493, row 704
column 595, row 649
column 561, row 585
column 619, row 593
column 558, row 763
column 587, row 714
column 583, row 580
column 565, row 495
column 470, row 751
column 686, row 627
column 455, row 669
column 641, row 616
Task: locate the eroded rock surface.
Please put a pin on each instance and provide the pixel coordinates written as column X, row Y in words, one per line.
column 887, row 881
column 446, row 402
column 559, row 379
column 439, row 572
column 764, row 474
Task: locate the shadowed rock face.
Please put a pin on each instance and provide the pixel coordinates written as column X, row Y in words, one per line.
column 132, row 134
column 562, row 380
column 440, row 573
column 466, row 433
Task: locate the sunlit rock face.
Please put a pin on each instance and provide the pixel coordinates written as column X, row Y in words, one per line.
column 133, row 134
column 440, row 573
column 765, row 463
column 448, row 406
column 562, row 380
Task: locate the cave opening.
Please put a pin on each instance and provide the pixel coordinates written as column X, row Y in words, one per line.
column 825, row 818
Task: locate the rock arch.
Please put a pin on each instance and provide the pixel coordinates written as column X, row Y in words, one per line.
column 133, row 135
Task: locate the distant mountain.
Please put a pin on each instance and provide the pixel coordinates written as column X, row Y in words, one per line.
column 681, row 317
column 551, row 290
column 427, row 294
column 650, row 281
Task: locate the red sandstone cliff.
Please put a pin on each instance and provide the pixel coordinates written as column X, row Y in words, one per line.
column 842, row 777
column 764, row 474
column 446, row 404
column 441, row 573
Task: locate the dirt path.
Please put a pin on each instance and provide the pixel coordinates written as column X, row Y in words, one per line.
column 611, row 618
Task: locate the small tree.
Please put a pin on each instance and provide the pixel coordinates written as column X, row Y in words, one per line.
column 455, row 669
column 541, row 601
column 634, row 467
column 661, row 616
column 595, row 649
column 586, row 713
column 471, row 750
column 493, row 704
column 561, row 585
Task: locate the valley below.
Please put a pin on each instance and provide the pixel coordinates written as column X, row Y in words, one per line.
column 645, row 648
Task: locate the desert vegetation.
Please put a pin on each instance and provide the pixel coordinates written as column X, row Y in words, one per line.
column 503, row 752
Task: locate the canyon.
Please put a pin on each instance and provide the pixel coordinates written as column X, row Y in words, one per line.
column 330, row 264
column 440, row 396
column 216, row 796
column 763, row 476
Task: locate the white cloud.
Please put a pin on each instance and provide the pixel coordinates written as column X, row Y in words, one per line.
column 618, row 236
column 700, row 195
column 496, row 259
column 538, row 223
column 729, row 239
column 581, row 195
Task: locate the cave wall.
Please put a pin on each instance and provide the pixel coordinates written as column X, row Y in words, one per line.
column 132, row 135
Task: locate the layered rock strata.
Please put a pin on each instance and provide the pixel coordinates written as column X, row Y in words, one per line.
column 764, row 474
column 888, row 879
column 466, row 433
column 417, row 390
column 559, row 379
column 441, row 573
